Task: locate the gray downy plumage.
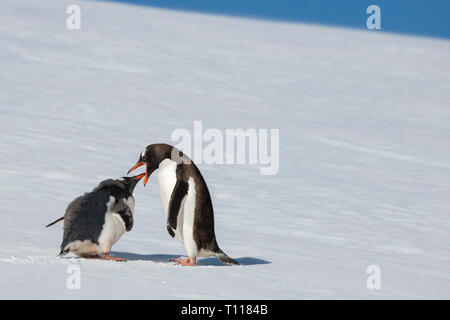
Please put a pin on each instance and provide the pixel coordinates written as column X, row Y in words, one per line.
column 85, row 216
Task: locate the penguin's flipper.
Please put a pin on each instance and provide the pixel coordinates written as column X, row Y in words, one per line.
column 56, row 221
column 178, row 194
column 170, row 231
column 124, row 211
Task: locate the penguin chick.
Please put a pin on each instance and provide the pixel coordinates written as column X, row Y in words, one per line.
column 95, row 221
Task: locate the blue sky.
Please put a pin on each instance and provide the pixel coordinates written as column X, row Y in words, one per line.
column 429, row 18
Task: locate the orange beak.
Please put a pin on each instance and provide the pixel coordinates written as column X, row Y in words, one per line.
column 139, row 177
column 137, row 165
column 145, row 179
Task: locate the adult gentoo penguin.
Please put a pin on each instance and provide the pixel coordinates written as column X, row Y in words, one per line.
column 186, row 201
column 95, row 221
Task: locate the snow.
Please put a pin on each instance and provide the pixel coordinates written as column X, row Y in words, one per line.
column 364, row 172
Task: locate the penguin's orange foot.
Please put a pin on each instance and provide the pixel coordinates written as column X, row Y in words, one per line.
column 106, row 256
column 185, row 262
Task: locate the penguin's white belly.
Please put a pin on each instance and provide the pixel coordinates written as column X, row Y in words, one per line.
column 167, row 180
column 187, row 221
column 113, row 229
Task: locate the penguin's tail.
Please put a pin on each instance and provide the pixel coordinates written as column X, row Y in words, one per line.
column 223, row 257
column 56, row 221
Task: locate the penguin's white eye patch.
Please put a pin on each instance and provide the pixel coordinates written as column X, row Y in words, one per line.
column 143, row 152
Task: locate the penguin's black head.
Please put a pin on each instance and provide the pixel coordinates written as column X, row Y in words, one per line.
column 153, row 155
column 131, row 182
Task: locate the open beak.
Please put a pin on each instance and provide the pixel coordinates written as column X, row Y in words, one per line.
column 139, row 177
column 137, row 165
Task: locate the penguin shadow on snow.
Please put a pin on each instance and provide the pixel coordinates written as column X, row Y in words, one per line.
column 212, row 261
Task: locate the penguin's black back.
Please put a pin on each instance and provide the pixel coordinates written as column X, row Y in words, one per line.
column 203, row 232
column 85, row 216
column 204, row 235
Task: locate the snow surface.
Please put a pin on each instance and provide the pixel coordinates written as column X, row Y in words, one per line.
column 364, row 173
